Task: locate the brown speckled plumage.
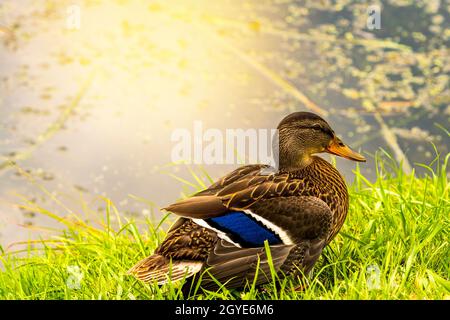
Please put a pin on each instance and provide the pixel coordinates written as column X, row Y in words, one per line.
column 304, row 203
column 322, row 180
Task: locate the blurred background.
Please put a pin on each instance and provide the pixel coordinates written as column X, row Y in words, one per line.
column 90, row 91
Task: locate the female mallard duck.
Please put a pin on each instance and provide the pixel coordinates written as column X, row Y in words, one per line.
column 298, row 210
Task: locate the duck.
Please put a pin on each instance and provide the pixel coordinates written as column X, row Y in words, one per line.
column 254, row 221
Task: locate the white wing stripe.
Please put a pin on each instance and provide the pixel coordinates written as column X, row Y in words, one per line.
column 280, row 232
column 220, row 234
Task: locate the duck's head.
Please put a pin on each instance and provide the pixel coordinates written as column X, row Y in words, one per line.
column 302, row 134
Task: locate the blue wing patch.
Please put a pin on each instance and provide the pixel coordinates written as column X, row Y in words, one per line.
column 244, row 229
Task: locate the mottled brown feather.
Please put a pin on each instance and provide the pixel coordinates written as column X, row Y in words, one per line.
column 237, row 266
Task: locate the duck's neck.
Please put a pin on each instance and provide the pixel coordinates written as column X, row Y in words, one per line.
column 293, row 161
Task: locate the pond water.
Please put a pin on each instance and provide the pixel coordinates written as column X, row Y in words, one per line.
column 87, row 111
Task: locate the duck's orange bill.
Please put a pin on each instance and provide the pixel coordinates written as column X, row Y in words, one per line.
column 340, row 149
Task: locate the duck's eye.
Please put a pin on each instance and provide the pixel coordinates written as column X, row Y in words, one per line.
column 326, row 130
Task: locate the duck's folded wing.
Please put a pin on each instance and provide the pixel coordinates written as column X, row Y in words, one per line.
column 235, row 175
column 199, row 207
column 297, row 233
column 233, row 267
column 280, row 220
column 239, row 194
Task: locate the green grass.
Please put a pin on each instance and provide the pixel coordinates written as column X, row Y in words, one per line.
column 397, row 227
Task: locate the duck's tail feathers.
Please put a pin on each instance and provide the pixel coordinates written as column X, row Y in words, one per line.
column 157, row 268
